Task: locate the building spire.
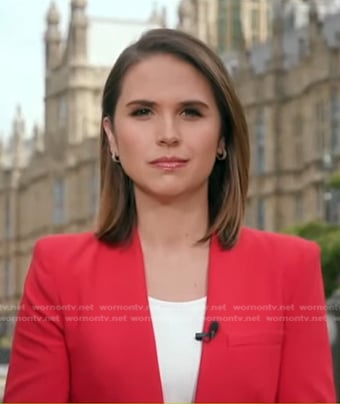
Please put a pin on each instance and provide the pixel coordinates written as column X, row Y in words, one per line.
column 52, row 37
column 18, row 124
column 157, row 16
column 38, row 139
column 77, row 43
column 314, row 25
column 278, row 16
column 187, row 16
column 313, row 11
column 18, row 138
column 244, row 54
column 277, row 35
column 53, row 16
column 78, row 5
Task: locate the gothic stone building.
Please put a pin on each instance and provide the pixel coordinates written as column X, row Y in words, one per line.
column 290, row 87
column 49, row 183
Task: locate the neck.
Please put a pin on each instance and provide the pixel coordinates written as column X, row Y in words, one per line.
column 177, row 224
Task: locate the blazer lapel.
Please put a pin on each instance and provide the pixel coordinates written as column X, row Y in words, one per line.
column 212, row 384
column 135, row 347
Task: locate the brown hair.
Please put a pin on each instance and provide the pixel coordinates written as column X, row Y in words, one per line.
column 228, row 182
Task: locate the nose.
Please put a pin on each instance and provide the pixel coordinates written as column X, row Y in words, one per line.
column 168, row 132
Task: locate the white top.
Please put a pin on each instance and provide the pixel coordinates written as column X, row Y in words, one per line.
column 175, row 325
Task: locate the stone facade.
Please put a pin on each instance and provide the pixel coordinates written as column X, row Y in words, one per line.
column 290, row 87
column 225, row 24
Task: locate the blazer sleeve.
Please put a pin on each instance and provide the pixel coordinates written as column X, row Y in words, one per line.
column 39, row 367
column 306, row 373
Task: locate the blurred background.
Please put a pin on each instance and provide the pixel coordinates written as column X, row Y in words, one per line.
column 284, row 58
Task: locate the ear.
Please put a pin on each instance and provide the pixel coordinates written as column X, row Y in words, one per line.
column 221, row 145
column 108, row 129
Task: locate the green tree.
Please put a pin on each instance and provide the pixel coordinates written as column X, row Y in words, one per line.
column 328, row 238
column 334, row 181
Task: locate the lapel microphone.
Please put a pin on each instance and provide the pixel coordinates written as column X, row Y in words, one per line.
column 208, row 336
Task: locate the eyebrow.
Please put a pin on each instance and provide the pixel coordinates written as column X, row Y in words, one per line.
column 186, row 103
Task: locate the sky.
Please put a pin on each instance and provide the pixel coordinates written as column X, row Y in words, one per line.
column 22, row 26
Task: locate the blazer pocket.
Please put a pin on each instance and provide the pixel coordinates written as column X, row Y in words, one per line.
column 273, row 337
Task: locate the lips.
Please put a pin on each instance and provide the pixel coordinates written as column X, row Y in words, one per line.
column 169, row 163
column 169, row 160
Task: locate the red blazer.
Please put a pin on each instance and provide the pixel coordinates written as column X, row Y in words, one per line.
column 84, row 333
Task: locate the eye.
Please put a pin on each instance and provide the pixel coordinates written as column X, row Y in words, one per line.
column 192, row 112
column 141, row 112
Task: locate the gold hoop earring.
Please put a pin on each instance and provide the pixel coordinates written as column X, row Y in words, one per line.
column 115, row 158
column 222, row 156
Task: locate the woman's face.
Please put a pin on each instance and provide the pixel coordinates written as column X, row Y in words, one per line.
column 166, row 128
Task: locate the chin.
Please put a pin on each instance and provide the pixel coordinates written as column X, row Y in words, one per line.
column 172, row 195
column 169, row 195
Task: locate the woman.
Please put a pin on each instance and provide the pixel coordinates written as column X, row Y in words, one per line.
column 172, row 299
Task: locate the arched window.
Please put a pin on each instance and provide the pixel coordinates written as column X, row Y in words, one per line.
column 335, row 120
column 58, row 201
column 260, row 143
column 298, row 141
column 320, row 127
column 261, row 213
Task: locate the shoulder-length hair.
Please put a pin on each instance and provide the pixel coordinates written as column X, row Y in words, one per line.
column 228, row 182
